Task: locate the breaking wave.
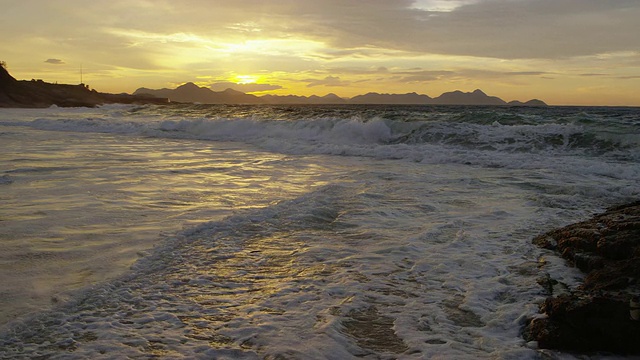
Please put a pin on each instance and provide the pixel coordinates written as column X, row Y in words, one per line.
column 484, row 136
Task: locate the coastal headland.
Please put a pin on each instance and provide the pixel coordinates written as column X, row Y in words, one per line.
column 39, row 94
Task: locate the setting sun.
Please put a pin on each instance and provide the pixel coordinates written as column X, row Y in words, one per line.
column 246, row 79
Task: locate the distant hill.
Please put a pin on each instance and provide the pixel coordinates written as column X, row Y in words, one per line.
column 192, row 93
column 476, row 97
column 534, row 102
column 37, row 93
column 391, row 99
column 295, row 99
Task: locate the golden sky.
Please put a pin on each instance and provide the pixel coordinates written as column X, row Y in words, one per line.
column 565, row 52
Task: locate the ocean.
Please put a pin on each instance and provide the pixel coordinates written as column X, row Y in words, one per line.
column 294, row 232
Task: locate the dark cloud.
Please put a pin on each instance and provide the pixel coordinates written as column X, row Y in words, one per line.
column 489, row 74
column 419, row 75
column 353, row 30
column 493, row 28
column 412, row 75
column 535, row 28
column 355, row 70
column 327, row 81
column 54, row 61
column 486, row 28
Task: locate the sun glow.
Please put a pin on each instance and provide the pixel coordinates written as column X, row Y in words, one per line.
column 246, row 79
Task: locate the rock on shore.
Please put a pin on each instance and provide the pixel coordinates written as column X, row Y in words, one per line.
column 596, row 316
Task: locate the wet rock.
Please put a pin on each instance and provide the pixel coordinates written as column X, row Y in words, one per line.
column 595, row 317
column 460, row 316
column 372, row 330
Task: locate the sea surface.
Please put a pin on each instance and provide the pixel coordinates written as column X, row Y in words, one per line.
column 294, row 232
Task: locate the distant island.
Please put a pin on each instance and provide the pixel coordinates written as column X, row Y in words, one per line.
column 193, row 93
column 37, row 93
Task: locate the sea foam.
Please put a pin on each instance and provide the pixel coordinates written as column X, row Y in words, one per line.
column 296, row 232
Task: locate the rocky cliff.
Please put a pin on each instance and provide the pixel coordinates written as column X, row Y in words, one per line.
column 37, row 93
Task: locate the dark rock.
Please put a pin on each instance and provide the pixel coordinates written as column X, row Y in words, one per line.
column 588, row 324
column 374, row 331
column 595, row 317
column 38, row 94
column 587, row 262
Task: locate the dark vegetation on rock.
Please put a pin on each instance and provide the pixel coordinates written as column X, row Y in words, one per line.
column 39, row 94
column 595, row 317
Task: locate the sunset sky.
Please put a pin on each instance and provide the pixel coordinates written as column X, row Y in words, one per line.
column 572, row 52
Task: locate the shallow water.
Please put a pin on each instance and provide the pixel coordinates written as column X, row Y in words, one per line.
column 302, row 232
column 80, row 208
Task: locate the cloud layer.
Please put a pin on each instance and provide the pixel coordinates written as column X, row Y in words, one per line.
column 486, row 28
column 54, row 61
column 326, row 44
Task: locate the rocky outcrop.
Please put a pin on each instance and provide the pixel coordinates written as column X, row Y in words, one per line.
column 38, row 94
column 191, row 92
column 477, row 97
column 532, row 102
column 599, row 315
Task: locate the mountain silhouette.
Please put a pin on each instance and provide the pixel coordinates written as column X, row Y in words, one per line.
column 477, row 97
column 391, row 99
column 191, row 93
column 37, row 93
column 532, row 102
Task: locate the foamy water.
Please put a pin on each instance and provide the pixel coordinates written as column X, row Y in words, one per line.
column 293, row 232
